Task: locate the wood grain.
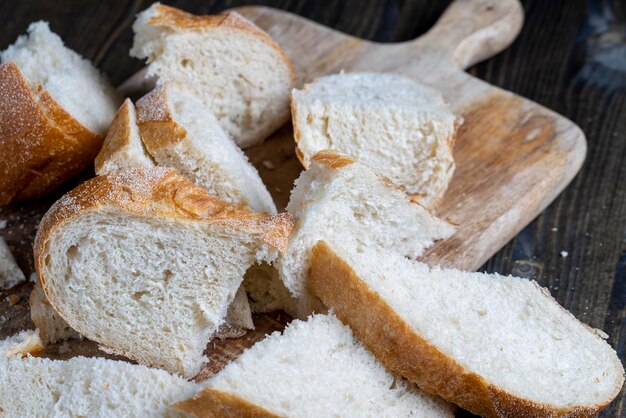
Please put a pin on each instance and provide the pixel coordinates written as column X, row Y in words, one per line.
column 559, row 61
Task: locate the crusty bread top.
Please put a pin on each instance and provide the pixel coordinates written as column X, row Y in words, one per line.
column 176, row 19
column 162, row 130
column 120, row 148
column 47, row 145
column 159, row 192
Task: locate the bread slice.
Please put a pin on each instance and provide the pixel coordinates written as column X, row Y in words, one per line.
column 51, row 326
column 54, row 111
column 388, row 122
column 314, row 369
column 239, row 72
column 123, row 147
column 494, row 345
column 180, row 132
column 10, row 272
column 337, row 198
column 87, row 387
column 23, row 343
column 146, row 263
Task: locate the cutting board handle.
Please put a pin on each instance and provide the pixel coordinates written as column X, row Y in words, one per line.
column 470, row 31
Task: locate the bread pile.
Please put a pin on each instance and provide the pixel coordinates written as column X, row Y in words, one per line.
column 177, row 241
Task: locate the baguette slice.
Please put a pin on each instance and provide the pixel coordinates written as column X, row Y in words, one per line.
column 123, row 147
column 22, row 344
column 52, row 327
column 239, row 72
column 10, row 272
column 87, row 387
column 180, row 132
column 314, row 369
column 494, row 345
column 337, row 198
column 146, row 263
column 54, row 111
column 388, row 122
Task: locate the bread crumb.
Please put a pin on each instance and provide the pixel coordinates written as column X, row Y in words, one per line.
column 268, row 164
column 555, row 229
column 564, row 254
column 3, row 223
column 33, row 278
column 13, row 299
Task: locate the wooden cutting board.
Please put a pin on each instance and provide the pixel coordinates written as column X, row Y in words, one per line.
column 513, row 156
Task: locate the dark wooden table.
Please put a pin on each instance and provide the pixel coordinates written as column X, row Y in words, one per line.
column 570, row 57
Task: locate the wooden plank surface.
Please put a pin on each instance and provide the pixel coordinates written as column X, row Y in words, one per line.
column 562, row 60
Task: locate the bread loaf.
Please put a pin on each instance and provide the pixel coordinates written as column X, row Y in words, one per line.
column 237, row 70
column 390, row 123
column 87, row 387
column 313, row 369
column 496, row 346
column 337, row 198
column 180, row 132
column 55, row 109
column 146, row 263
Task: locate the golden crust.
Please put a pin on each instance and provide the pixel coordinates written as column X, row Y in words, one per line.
column 332, row 159
column 173, row 18
column 404, row 352
column 156, row 192
column 211, row 403
column 157, row 126
column 118, row 136
column 44, row 145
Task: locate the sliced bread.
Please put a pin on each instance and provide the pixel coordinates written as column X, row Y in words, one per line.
column 180, row 131
column 52, row 327
column 10, row 272
column 496, row 346
column 237, row 70
column 313, row 369
column 54, row 111
column 146, row 263
column 123, row 147
column 87, row 387
column 388, row 122
column 27, row 342
column 337, row 198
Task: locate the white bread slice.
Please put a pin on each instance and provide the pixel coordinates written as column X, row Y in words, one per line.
column 337, row 198
column 54, row 111
column 180, row 132
column 146, row 263
column 239, row 72
column 313, row 369
column 51, row 326
column 494, row 345
column 23, row 343
column 396, row 126
column 87, row 387
column 10, row 272
column 123, row 147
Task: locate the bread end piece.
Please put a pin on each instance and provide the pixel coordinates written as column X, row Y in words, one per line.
column 401, row 350
column 47, row 145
